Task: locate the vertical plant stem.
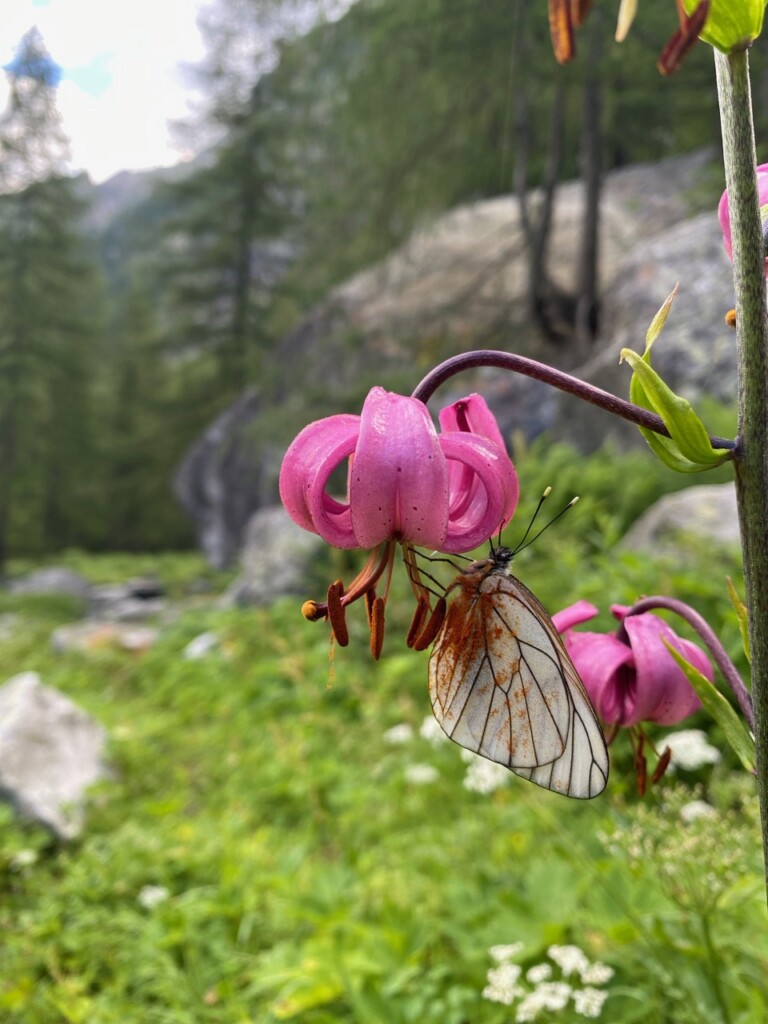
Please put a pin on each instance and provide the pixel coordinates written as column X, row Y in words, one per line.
column 752, row 341
column 714, row 968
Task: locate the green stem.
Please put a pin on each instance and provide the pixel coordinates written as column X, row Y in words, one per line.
column 714, row 969
column 752, row 343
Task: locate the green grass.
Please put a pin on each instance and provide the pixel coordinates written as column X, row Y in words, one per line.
column 308, row 879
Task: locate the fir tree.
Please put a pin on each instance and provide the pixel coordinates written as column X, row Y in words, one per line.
column 47, row 319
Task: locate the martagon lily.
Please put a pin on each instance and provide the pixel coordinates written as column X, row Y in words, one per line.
column 406, row 484
column 630, row 675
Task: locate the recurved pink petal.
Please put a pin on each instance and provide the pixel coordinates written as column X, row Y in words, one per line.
column 398, row 481
column 724, row 214
column 664, row 695
column 574, row 615
column 492, row 485
column 605, row 665
column 468, row 415
column 311, row 458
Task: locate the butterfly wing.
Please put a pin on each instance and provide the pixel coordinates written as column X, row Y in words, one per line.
column 503, row 685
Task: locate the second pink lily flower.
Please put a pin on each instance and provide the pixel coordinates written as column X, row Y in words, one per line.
column 633, row 678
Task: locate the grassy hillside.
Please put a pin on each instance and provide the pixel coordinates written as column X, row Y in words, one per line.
column 267, row 850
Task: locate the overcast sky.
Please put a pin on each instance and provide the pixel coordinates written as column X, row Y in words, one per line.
column 121, row 78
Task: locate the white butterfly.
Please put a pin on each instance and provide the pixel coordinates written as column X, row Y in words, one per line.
column 503, row 685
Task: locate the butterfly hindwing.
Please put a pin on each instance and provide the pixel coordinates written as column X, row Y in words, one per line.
column 503, row 685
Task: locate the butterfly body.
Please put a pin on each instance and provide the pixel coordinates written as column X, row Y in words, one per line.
column 503, row 685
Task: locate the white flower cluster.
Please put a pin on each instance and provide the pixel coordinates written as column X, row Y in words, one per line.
column 542, row 993
column 695, row 851
column 690, row 749
column 483, row 776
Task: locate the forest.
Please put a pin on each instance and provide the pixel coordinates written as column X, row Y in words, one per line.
column 123, row 336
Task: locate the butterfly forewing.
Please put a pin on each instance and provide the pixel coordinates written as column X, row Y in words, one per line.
column 503, row 685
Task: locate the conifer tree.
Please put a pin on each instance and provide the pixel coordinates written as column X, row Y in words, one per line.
column 47, row 319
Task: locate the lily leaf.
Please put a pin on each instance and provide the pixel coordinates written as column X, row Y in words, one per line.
column 734, row 729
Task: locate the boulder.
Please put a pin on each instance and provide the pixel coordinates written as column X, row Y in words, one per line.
column 220, row 481
column 275, row 560
column 707, row 513
column 52, row 580
column 51, row 751
column 89, row 636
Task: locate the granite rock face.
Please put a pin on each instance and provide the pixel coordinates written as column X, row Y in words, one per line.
column 51, row 751
column 707, row 513
column 275, row 559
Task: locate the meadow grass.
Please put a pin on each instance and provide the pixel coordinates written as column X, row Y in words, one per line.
column 265, row 852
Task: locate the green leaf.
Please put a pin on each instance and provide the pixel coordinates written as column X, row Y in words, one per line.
column 688, row 449
column 715, row 704
column 741, row 610
column 731, row 24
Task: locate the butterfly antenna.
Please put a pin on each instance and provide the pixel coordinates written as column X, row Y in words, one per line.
column 521, row 543
column 525, row 544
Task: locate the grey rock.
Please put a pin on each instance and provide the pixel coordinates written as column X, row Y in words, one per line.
column 53, row 580
column 133, row 601
column 90, row 636
column 220, row 481
column 707, row 513
column 274, row 560
column 51, row 751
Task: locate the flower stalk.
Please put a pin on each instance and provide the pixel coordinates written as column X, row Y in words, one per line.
column 752, row 345
column 556, row 378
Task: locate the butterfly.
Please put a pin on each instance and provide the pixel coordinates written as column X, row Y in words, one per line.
column 503, row 685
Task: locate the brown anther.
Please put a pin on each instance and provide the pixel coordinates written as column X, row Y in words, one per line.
column 663, row 764
column 417, row 621
column 579, row 11
column 641, row 767
column 312, row 611
column 730, row 317
column 377, row 627
column 561, row 30
column 432, row 627
column 336, row 613
column 370, row 600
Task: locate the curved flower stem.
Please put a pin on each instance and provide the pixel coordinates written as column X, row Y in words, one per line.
column 558, row 379
column 707, row 634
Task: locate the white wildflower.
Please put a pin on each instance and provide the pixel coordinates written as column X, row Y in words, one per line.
column 589, row 1001
column 690, row 749
column 539, row 973
column 401, row 733
column 570, row 959
column 696, row 809
column 430, row 730
column 421, row 774
column 485, row 776
column 553, row 995
column 596, row 973
column 23, row 859
column 152, row 895
column 502, row 984
column 200, row 646
column 505, row 951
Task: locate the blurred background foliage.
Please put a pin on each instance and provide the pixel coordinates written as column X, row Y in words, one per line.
column 122, row 336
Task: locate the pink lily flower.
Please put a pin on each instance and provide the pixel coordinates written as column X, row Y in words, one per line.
column 406, row 483
column 724, row 215
column 630, row 675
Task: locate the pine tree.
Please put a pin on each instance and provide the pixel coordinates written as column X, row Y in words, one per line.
column 48, row 310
